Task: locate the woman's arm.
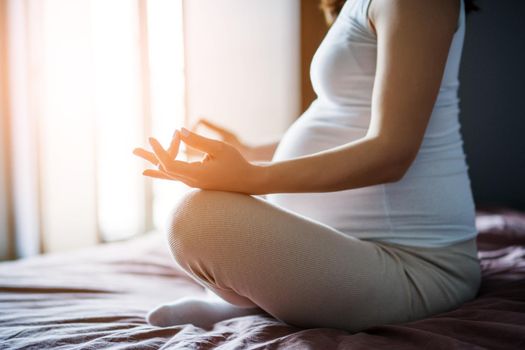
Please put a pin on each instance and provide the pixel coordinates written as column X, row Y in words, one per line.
column 262, row 153
column 413, row 38
column 251, row 153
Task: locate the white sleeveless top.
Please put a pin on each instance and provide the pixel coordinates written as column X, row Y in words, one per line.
column 432, row 204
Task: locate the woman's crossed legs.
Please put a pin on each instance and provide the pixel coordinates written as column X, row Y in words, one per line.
column 257, row 256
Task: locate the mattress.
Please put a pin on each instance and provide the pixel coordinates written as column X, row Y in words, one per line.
column 97, row 299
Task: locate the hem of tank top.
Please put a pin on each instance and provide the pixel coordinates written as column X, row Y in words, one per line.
column 456, row 173
column 471, row 237
column 386, row 206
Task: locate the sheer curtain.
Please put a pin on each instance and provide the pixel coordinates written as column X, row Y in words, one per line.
column 90, row 79
column 87, row 81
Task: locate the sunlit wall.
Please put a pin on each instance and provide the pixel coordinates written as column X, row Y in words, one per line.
column 243, row 64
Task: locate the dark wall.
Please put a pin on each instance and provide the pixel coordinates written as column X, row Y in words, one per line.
column 313, row 30
column 493, row 102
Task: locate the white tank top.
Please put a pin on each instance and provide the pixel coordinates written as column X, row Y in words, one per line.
column 432, row 204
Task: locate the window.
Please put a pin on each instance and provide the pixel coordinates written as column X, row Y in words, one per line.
column 90, row 79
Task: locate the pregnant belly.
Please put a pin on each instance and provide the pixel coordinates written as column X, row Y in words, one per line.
column 427, row 199
column 308, row 135
column 365, row 205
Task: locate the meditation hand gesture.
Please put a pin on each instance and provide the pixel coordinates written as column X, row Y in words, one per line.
column 223, row 167
column 226, row 136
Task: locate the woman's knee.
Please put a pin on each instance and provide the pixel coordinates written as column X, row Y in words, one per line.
column 200, row 221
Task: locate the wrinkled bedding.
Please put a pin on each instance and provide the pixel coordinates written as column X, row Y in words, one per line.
column 97, row 299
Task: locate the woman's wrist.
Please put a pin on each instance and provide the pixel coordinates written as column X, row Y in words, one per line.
column 247, row 152
column 263, row 152
column 259, row 179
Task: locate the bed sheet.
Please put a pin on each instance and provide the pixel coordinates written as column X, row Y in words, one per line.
column 97, row 299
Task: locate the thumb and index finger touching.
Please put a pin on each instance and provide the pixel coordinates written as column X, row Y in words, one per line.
column 172, row 151
column 199, row 142
column 161, row 156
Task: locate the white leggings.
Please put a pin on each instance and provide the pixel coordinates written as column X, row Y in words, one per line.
column 252, row 253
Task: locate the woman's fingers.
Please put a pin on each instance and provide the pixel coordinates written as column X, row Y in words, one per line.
column 167, row 163
column 199, row 142
column 173, row 150
column 146, row 155
column 221, row 131
column 159, row 174
column 156, row 174
column 162, row 155
column 192, row 153
column 169, row 168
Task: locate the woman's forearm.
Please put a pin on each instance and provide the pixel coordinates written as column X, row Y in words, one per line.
column 365, row 162
column 261, row 153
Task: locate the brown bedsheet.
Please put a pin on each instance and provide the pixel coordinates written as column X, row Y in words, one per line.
column 97, row 299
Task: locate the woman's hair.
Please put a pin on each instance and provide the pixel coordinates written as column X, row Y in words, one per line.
column 331, row 8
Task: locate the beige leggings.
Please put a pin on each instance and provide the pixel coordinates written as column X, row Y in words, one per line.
column 252, row 253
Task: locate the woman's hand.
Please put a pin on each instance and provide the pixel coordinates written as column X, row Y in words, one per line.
column 225, row 135
column 223, row 167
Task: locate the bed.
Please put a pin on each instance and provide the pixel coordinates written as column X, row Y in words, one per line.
column 97, row 299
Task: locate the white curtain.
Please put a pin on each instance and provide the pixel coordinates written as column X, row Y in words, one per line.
column 88, row 81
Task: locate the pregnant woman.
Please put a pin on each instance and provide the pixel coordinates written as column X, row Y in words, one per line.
column 368, row 216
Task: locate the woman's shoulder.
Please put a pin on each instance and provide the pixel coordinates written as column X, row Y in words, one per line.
column 442, row 13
